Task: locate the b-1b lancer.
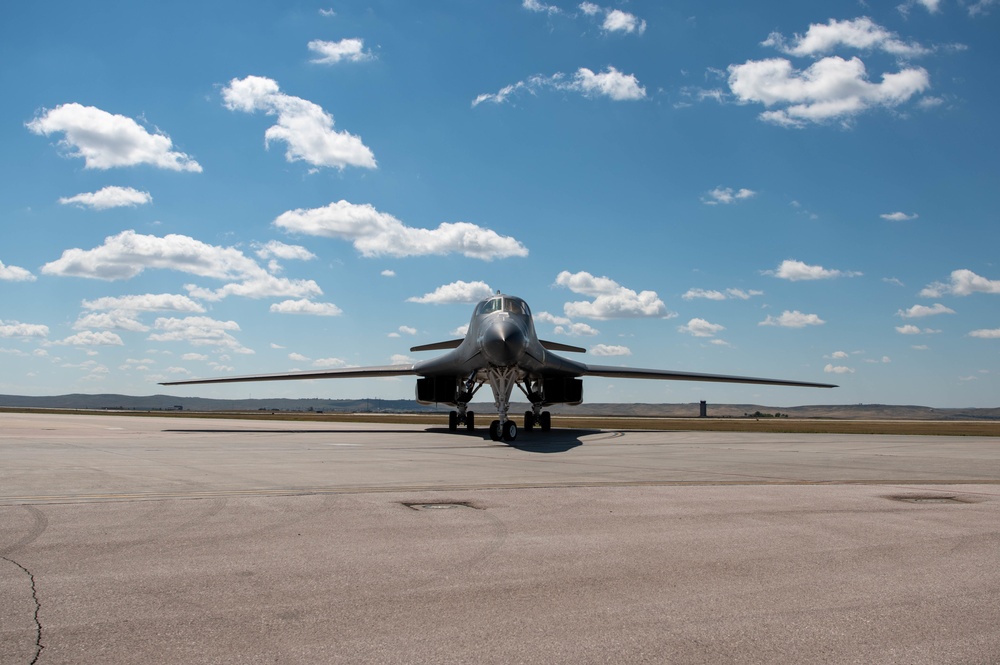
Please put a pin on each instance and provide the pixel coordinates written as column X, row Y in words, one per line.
column 501, row 349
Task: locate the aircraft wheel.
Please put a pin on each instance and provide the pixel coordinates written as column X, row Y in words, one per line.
column 529, row 420
column 453, row 420
column 545, row 421
column 495, row 432
column 470, row 420
column 509, row 430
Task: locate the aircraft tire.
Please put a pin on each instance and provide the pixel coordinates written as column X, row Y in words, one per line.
column 529, row 421
column 509, row 430
column 495, row 432
column 453, row 420
column 545, row 421
column 470, row 420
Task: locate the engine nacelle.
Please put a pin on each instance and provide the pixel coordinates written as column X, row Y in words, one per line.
column 437, row 390
column 566, row 390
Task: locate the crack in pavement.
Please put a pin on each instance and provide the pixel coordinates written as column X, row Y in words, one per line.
column 38, row 607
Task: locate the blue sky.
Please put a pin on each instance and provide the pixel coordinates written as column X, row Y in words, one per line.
column 780, row 190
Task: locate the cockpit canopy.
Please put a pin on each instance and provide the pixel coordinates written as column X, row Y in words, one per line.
column 503, row 304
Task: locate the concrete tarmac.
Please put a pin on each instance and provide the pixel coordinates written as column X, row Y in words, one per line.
column 133, row 539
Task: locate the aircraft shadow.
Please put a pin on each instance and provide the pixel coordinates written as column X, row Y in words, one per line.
column 553, row 441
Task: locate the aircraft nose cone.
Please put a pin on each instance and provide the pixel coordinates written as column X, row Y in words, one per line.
column 503, row 343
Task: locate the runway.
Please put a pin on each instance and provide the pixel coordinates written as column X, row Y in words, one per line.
column 134, row 539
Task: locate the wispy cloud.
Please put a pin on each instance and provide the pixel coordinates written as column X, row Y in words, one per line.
column 109, row 197
column 609, row 83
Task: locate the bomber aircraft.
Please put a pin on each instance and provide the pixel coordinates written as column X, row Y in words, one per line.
column 500, row 349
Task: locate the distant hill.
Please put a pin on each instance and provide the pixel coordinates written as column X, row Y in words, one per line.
column 173, row 403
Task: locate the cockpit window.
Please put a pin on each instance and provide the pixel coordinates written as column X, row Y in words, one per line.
column 500, row 304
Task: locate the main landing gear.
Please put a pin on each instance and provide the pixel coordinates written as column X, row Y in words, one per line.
column 502, row 380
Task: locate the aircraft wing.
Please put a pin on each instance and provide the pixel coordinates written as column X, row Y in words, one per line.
column 669, row 375
column 343, row 372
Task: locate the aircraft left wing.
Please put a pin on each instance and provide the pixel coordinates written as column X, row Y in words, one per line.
column 669, row 375
column 342, row 372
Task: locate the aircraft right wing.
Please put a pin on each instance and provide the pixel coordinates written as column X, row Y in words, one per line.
column 669, row 375
column 341, row 372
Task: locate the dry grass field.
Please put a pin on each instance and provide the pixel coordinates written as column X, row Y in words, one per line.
column 784, row 425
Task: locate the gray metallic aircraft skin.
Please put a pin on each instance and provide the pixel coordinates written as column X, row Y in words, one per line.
column 501, row 349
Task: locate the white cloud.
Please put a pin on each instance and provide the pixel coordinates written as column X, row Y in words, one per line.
column 536, row 6
column 10, row 329
column 106, row 141
column 455, row 293
column 113, row 320
column 298, row 357
column 193, row 356
column 375, row 233
column 795, row 319
column 701, row 328
column 797, row 271
column 127, row 254
column 898, row 216
column 910, row 329
column 576, row 330
column 839, row 355
column 15, row 274
column 546, row 317
column 461, row 331
column 328, row 363
column 728, row 294
column 727, row 195
column 330, row 53
column 198, row 331
column 611, row 300
column 895, row 281
column 279, row 250
column 149, row 302
column 388, row 273
column 304, row 126
column 306, row 307
column 109, row 197
column 91, row 338
column 985, row 333
column 609, row 350
column 918, row 311
column 830, row 89
column 407, row 330
column 618, row 21
column 609, row 83
column 860, row 33
column 963, row 283
column 838, row 369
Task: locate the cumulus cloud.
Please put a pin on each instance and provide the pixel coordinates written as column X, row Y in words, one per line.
column 860, row 33
column 198, row 331
column 962, row 283
column 793, row 319
column 829, row 89
column 106, row 141
column 149, row 302
column 610, row 83
column 576, row 330
column 728, row 294
column 329, row 363
column 91, row 338
column 540, row 7
column 610, row 350
column 113, row 320
column 304, row 126
column 985, row 333
column 898, row 216
column 127, row 254
column 455, row 293
column 837, row 369
column 611, row 299
column 276, row 249
column 727, row 195
column 330, row 53
column 109, row 197
column 15, row 274
column 375, row 233
column 306, row 307
column 797, row 271
column 910, row 329
column 701, row 328
column 919, row 311
column 618, row 21
column 12, row 329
